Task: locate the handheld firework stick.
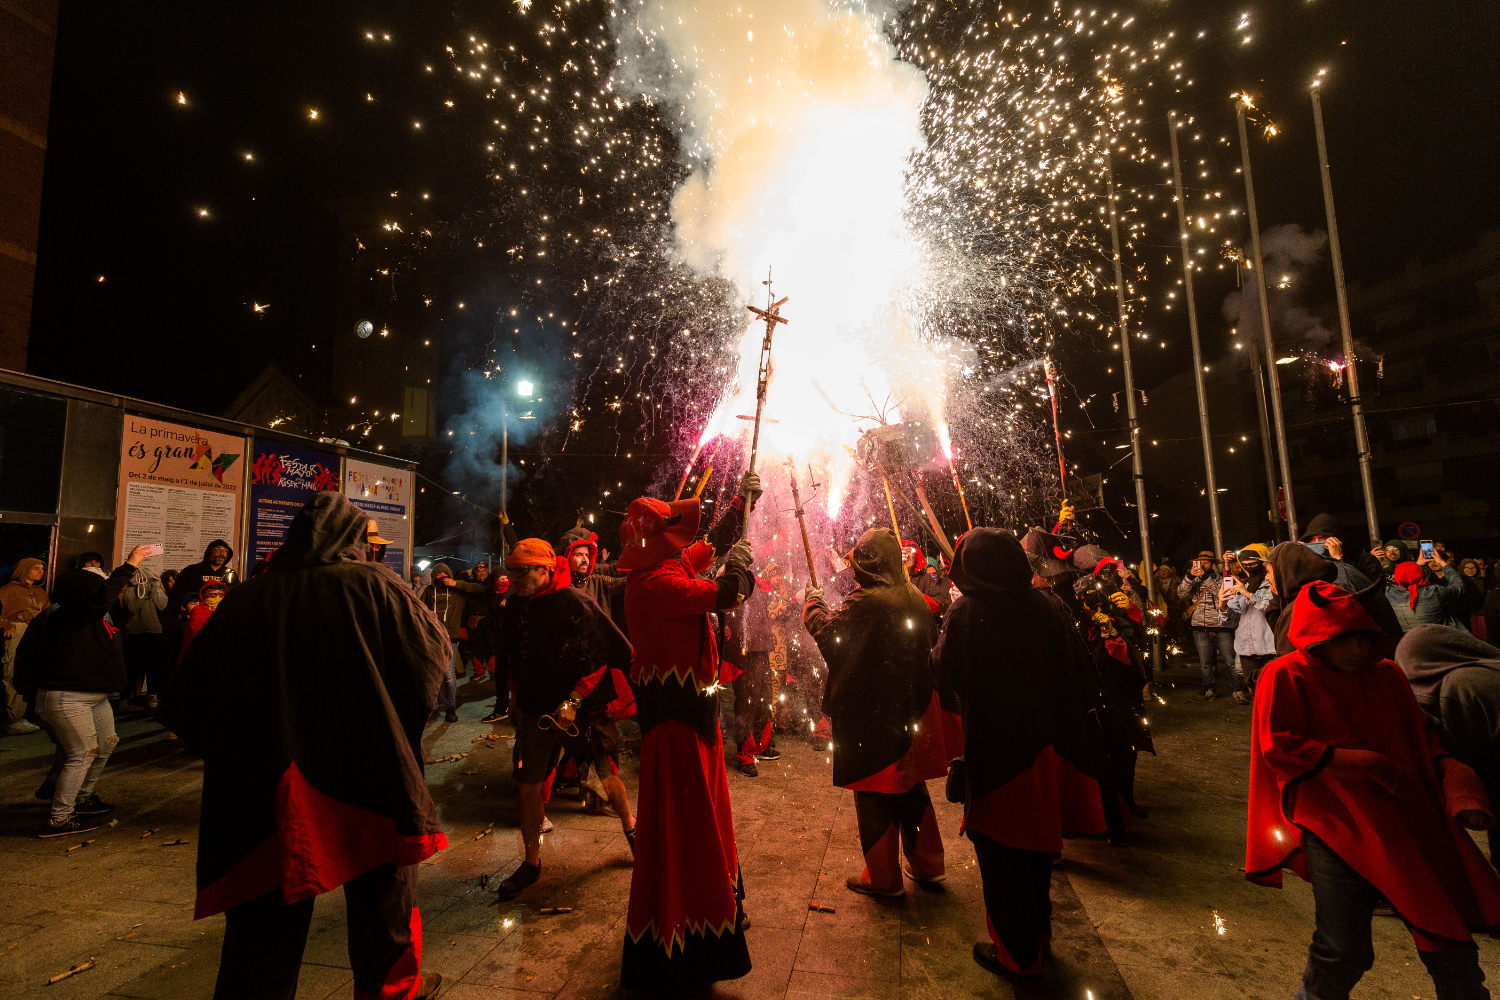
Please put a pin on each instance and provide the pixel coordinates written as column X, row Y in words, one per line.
column 812, row 572
column 961, row 498
column 772, row 315
column 1050, row 370
column 687, row 471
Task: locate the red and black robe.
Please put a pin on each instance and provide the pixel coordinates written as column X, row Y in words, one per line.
column 684, row 925
column 1014, row 659
column 306, row 693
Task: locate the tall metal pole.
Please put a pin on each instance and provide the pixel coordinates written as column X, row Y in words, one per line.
column 1356, row 406
column 1265, row 325
column 1192, row 311
column 1267, row 449
column 1148, row 572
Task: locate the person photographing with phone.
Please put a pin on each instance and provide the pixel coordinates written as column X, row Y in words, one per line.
column 1212, row 624
column 1427, row 591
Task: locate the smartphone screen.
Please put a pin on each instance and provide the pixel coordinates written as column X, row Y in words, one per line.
column 1428, row 552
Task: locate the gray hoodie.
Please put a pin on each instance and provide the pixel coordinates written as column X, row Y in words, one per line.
column 1456, row 680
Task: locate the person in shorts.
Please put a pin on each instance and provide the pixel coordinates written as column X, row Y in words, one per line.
column 554, row 649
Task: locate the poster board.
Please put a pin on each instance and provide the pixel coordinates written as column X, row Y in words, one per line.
column 282, row 478
column 181, row 487
column 385, row 494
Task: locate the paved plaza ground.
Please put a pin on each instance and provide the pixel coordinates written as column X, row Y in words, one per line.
column 1170, row 916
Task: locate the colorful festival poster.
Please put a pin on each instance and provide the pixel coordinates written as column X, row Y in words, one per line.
column 385, row 494
column 282, row 478
column 180, row 487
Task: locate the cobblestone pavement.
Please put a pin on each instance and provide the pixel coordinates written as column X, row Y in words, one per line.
column 1170, row 916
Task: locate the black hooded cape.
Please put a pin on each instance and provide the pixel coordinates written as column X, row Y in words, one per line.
column 306, row 694
column 876, row 646
column 1014, row 658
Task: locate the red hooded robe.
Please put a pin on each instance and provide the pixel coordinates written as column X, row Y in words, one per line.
column 1409, row 846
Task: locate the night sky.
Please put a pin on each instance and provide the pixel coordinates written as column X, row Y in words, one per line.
column 186, row 169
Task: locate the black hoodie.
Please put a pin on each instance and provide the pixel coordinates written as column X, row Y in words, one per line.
column 192, row 578
column 68, row 647
column 306, row 693
column 1354, row 554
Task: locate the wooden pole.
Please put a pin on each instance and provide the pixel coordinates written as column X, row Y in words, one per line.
column 812, row 571
column 937, row 529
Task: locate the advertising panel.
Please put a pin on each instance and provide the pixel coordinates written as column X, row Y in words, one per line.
column 386, row 495
column 282, row 478
column 180, row 487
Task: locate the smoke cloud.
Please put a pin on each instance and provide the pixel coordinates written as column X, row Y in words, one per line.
column 1289, row 252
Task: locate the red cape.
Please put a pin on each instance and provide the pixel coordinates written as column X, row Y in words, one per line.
column 1408, row 846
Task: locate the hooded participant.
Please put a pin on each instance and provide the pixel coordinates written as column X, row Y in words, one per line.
column 217, row 565
column 1013, row 655
column 1325, row 535
column 1293, row 567
column 306, row 693
column 890, row 734
column 685, row 927
column 1351, row 790
column 1456, row 680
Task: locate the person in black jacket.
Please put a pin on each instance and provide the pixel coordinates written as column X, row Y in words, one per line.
column 557, row 649
column 70, row 658
column 306, row 694
column 217, row 564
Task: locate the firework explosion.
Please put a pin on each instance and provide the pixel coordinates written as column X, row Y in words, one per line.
column 925, row 183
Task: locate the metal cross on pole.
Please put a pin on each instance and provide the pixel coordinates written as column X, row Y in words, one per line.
column 771, row 314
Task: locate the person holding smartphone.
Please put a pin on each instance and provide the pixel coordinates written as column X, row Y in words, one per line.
column 1211, row 625
column 1427, row 592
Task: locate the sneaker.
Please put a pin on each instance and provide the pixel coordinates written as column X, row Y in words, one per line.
column 1209, row 695
column 546, row 825
column 821, row 745
column 67, row 827
column 769, row 753
column 498, row 715
column 450, row 716
column 630, row 839
column 92, row 805
column 750, row 770
column 431, row 984
column 45, row 792
column 906, row 870
column 1240, row 698
column 20, row 728
column 988, row 957
column 859, row 885
column 519, row 880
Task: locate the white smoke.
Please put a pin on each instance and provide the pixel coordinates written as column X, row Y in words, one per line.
column 798, row 124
